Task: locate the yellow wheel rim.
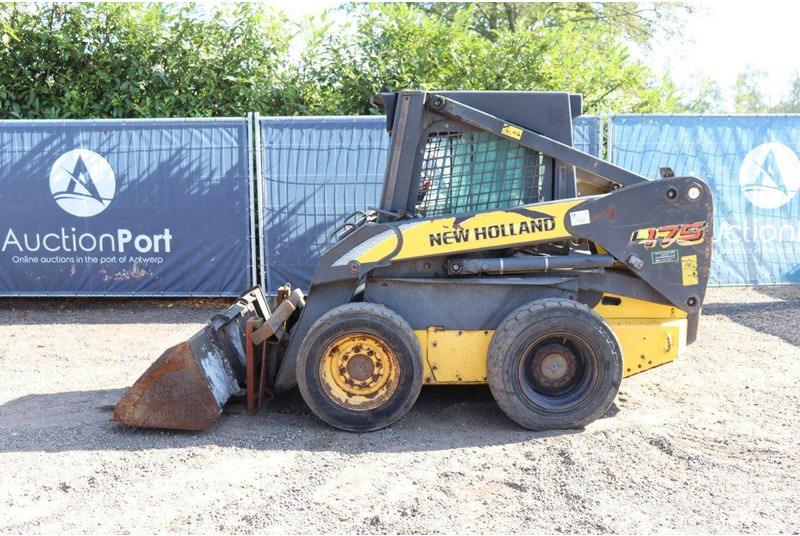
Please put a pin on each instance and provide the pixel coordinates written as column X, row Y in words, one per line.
column 359, row 372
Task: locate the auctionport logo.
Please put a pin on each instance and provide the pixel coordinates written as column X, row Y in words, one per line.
column 82, row 183
column 770, row 175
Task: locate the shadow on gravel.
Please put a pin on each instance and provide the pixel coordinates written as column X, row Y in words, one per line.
column 780, row 292
column 780, row 318
column 443, row 418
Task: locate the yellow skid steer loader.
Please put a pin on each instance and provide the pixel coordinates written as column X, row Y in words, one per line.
column 499, row 254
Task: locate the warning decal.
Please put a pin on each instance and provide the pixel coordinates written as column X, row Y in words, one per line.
column 689, row 269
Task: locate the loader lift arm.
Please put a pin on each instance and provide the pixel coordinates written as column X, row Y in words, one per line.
column 615, row 176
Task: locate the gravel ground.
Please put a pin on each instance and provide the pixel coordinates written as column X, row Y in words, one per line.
column 706, row 444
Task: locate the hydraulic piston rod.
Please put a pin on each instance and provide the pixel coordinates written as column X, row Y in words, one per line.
column 509, row 265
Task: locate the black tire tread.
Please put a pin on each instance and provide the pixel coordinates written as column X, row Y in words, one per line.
column 360, row 309
column 501, row 343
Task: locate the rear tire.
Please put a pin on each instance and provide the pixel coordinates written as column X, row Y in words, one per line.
column 360, row 367
column 554, row 364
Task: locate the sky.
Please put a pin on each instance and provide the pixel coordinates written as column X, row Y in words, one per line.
column 720, row 40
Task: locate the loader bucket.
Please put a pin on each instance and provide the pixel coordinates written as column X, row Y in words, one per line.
column 186, row 388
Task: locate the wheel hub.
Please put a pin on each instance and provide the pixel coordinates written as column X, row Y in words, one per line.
column 554, row 367
column 359, row 372
column 360, row 367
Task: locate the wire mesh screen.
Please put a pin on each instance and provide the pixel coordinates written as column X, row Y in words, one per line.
column 587, row 134
column 751, row 164
column 316, row 171
column 474, row 170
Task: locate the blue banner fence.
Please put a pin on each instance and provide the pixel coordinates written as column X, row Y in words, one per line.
column 157, row 207
column 167, row 207
column 751, row 164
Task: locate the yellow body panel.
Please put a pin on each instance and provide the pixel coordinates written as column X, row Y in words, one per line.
column 454, row 356
column 649, row 334
column 483, row 230
column 633, row 308
column 648, row 343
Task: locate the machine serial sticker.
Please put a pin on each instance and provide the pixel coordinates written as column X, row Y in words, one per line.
column 579, row 217
column 511, row 131
column 670, row 255
column 689, row 269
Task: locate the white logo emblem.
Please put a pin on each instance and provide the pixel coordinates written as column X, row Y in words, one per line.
column 770, row 175
column 82, row 183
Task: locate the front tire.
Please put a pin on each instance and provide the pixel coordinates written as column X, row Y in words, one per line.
column 360, row 367
column 554, row 364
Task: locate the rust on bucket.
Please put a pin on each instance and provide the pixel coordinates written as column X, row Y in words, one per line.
column 173, row 394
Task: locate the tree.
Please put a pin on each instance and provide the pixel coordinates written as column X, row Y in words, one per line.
column 638, row 22
column 156, row 60
column 709, row 97
column 394, row 46
column 747, row 97
column 791, row 103
column 6, row 31
column 141, row 60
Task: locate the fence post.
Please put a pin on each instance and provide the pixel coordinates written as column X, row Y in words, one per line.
column 262, row 256
column 610, row 139
column 251, row 197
